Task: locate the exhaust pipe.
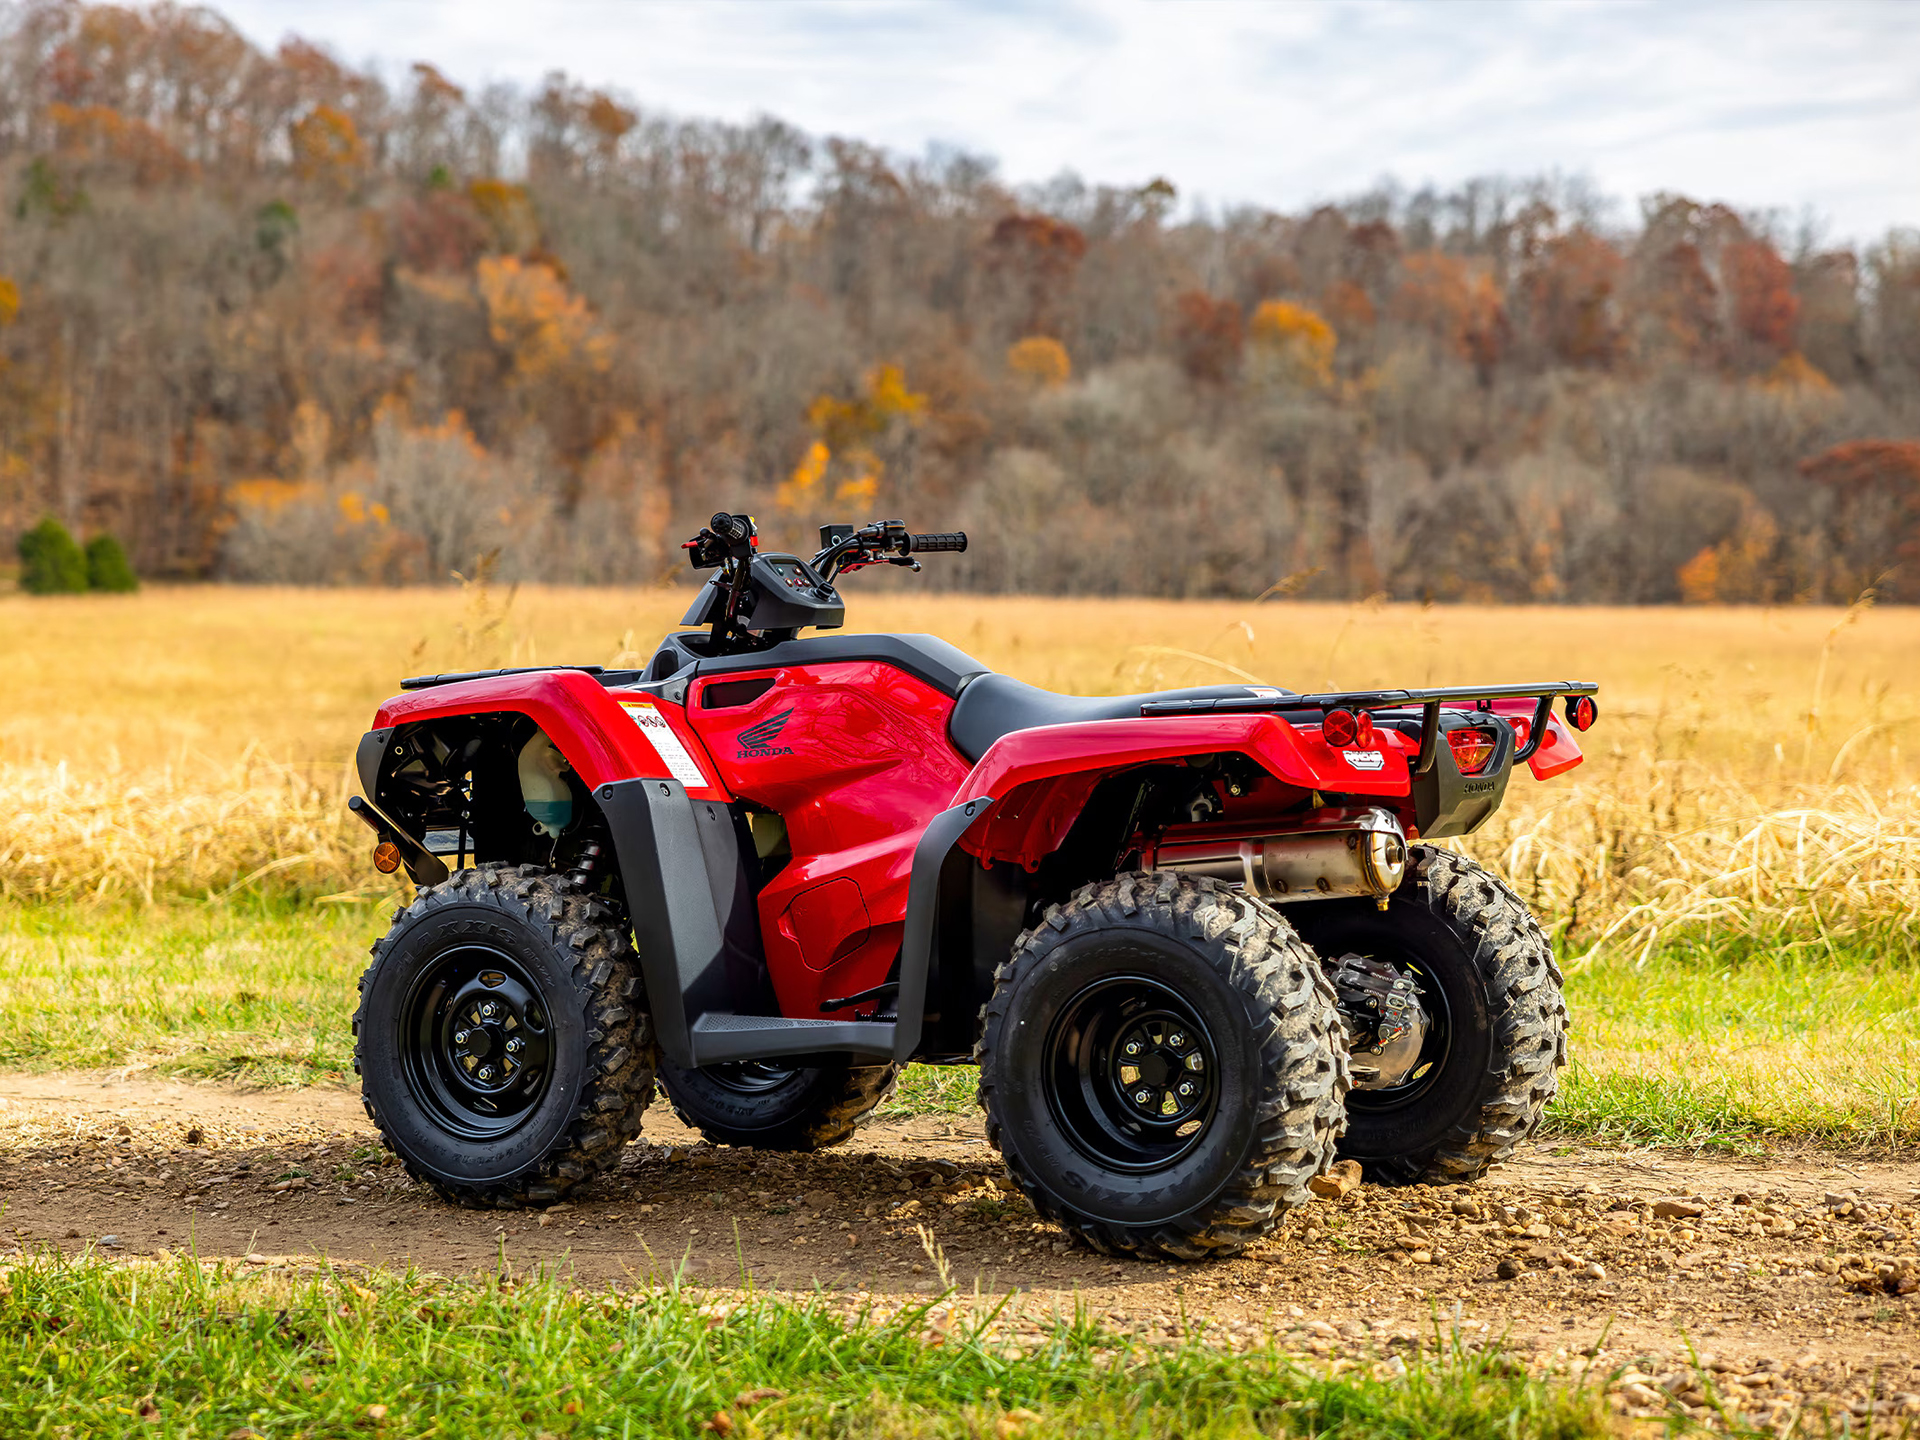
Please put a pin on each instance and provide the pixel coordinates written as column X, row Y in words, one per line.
column 1336, row 854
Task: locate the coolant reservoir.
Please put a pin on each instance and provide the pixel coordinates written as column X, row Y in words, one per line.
column 543, row 785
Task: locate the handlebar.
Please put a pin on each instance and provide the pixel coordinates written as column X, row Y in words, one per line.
column 951, row 540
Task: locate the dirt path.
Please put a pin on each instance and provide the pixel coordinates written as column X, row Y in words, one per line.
column 1788, row 1274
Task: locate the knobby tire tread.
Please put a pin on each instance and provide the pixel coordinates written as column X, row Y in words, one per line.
column 1527, row 1009
column 1303, row 1075
column 618, row 1082
column 863, row 1089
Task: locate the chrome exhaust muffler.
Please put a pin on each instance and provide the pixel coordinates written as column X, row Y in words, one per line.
column 1358, row 851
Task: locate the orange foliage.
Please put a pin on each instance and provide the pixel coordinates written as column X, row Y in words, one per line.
column 1041, row 359
column 1209, row 334
column 9, row 301
column 1298, row 341
column 102, row 135
column 1700, row 577
column 326, row 146
column 533, row 316
column 1347, row 308
column 1760, row 284
column 1793, row 372
column 508, row 211
column 1893, row 464
column 1456, row 303
column 1570, row 297
column 842, row 423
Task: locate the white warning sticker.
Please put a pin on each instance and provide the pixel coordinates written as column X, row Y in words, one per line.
column 660, row 735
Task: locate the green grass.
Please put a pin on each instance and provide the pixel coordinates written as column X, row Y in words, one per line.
column 177, row 1350
column 1704, row 1044
column 255, row 992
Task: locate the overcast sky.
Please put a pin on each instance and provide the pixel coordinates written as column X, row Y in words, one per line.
column 1762, row 103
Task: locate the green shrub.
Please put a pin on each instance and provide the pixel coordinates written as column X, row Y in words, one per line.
column 50, row 561
column 107, row 567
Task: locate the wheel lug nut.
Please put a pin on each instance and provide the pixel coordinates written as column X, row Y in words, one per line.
column 1133, row 1047
column 516, row 1045
column 486, row 1072
column 1141, row 1097
column 1186, row 1087
column 462, row 1037
column 489, row 1010
column 1176, row 1040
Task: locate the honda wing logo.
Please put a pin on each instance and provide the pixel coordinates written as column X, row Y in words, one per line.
column 756, row 742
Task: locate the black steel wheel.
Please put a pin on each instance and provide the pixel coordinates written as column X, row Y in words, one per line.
column 1129, row 1073
column 1163, row 1067
column 503, row 1049
column 479, row 1047
column 1497, row 1020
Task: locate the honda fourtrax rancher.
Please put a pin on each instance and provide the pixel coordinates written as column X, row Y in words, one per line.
column 1189, row 938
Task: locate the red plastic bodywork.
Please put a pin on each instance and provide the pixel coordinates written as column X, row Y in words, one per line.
column 859, row 766
column 860, row 762
column 1042, row 777
column 579, row 715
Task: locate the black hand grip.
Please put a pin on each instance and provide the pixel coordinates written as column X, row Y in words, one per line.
column 957, row 540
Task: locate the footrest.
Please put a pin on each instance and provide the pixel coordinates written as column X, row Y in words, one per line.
column 719, row 1039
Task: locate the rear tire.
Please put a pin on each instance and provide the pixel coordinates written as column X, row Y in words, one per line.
column 1487, row 975
column 1163, row 1067
column 501, row 1040
column 770, row 1106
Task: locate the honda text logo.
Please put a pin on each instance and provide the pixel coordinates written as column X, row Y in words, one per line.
column 756, row 742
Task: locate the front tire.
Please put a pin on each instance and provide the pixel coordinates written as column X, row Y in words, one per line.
column 503, row 1048
column 771, row 1106
column 1487, row 978
column 1163, row 1067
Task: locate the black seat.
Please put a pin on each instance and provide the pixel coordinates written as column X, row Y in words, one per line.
column 994, row 705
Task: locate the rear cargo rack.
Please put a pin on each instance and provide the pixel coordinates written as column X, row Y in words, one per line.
column 1431, row 701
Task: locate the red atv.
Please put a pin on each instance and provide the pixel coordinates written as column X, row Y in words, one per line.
column 1187, row 937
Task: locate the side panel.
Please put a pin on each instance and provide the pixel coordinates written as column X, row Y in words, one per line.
column 603, row 741
column 854, row 758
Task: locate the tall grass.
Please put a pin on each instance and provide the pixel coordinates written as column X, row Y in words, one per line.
column 1745, row 782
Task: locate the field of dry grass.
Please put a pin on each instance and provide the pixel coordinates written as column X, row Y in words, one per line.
column 1752, row 768
column 1732, row 878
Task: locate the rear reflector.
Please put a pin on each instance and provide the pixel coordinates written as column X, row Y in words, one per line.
column 1471, row 749
column 1581, row 711
column 1345, row 730
column 386, row 857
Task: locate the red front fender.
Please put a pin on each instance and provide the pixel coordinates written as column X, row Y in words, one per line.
column 605, row 735
column 1036, row 781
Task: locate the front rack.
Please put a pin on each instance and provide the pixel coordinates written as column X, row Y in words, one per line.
column 1430, row 701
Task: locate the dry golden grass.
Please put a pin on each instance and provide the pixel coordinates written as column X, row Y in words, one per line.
column 1747, row 776
column 1733, row 876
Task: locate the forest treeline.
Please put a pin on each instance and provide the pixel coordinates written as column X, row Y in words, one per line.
column 268, row 317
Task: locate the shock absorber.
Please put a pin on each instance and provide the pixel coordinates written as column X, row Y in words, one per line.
column 589, row 861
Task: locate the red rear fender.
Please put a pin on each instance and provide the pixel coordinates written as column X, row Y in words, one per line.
column 1038, row 780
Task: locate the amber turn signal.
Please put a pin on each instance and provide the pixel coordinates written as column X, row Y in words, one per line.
column 1581, row 711
column 386, row 857
column 1472, row 749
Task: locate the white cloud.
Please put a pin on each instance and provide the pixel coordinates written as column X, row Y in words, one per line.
column 1782, row 105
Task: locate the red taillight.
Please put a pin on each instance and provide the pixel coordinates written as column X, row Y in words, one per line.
column 1346, row 730
column 1471, row 749
column 1581, row 711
